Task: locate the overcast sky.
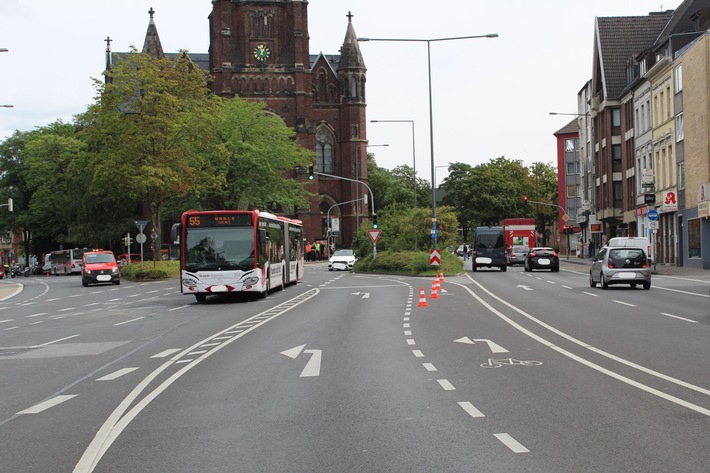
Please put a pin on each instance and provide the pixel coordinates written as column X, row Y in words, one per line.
column 491, row 97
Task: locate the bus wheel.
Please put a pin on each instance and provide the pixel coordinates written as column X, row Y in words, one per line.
column 201, row 298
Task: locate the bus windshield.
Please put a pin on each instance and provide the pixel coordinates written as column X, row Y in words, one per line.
column 219, row 248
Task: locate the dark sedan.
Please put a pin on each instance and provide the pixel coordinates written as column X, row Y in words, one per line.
column 542, row 258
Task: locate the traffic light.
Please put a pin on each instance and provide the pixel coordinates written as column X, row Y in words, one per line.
column 525, row 199
column 374, row 221
column 310, row 172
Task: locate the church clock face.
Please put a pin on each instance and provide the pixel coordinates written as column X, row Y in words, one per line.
column 262, row 53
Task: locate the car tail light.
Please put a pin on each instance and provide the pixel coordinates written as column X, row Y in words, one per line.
column 532, row 253
column 611, row 264
column 554, row 253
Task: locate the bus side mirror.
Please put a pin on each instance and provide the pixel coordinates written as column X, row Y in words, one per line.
column 175, row 231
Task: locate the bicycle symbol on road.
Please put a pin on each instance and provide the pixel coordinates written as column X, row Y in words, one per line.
column 509, row 362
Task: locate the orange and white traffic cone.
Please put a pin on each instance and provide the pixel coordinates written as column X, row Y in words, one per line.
column 441, row 276
column 438, row 285
column 435, row 288
column 422, row 299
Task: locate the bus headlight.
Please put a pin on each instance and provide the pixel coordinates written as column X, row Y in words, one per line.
column 251, row 280
column 187, row 282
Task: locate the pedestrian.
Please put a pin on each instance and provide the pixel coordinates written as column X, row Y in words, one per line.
column 591, row 249
column 465, row 252
column 317, row 249
column 308, row 251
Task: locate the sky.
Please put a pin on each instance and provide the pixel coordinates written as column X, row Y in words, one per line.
column 490, row 97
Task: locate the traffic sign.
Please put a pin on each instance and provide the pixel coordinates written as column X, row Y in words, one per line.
column 652, row 215
column 374, row 235
column 434, row 257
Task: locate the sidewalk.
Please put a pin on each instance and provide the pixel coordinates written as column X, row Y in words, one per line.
column 662, row 269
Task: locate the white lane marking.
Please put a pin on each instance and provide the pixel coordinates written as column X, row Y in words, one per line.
column 471, row 409
column 494, row 347
column 128, row 321
column 407, row 333
column 37, row 408
column 511, row 443
column 55, row 299
column 551, row 282
column 406, row 325
column 530, row 334
column 166, row 353
column 429, row 367
column 56, row 341
column 623, row 303
column 178, row 308
column 11, row 328
column 35, row 315
column 680, row 318
column 6, row 320
column 66, row 309
column 567, row 287
column 410, row 341
column 199, row 352
column 406, row 319
column 590, row 294
column 681, row 292
column 444, row 383
column 418, row 353
column 116, row 374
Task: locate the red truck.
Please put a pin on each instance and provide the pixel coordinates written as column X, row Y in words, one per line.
column 519, row 231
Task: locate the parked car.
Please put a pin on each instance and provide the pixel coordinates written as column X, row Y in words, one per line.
column 620, row 265
column 489, row 249
column 542, row 258
column 124, row 259
column 517, row 253
column 99, row 267
column 342, row 260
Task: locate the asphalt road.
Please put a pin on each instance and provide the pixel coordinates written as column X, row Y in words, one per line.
column 504, row 371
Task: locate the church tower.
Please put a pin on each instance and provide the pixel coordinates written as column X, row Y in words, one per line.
column 259, row 50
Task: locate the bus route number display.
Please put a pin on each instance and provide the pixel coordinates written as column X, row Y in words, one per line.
column 218, row 220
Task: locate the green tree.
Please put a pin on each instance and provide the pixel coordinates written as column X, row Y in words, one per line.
column 261, row 154
column 152, row 131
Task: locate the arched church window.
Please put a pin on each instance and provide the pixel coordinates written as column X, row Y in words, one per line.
column 324, row 151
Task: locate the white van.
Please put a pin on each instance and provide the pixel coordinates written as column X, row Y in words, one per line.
column 636, row 242
column 47, row 266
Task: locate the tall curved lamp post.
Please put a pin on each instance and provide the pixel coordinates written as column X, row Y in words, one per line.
column 431, row 118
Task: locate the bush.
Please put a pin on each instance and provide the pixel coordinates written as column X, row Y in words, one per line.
column 412, row 263
column 151, row 270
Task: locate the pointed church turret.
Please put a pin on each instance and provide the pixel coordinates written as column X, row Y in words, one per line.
column 152, row 44
column 352, row 67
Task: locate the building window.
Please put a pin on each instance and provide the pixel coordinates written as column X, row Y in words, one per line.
column 694, row 238
column 324, row 151
column 681, row 176
column 679, row 132
column 678, row 78
column 572, row 191
column 616, row 153
column 261, row 26
column 573, row 168
column 615, row 117
column 569, row 145
column 618, row 190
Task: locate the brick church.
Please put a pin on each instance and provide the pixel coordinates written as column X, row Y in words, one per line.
column 259, row 50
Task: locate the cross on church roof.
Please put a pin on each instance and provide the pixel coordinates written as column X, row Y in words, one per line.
column 151, row 12
column 350, row 16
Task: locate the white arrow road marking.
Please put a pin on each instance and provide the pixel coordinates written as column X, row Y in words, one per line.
column 294, row 352
column 313, row 366
column 525, row 287
column 495, row 348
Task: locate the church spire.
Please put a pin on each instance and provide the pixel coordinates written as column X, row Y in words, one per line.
column 152, row 44
column 350, row 56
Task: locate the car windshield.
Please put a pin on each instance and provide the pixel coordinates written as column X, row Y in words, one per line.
column 100, row 258
column 343, row 253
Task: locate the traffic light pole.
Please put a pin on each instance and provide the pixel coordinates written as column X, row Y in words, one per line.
column 372, row 197
column 330, row 231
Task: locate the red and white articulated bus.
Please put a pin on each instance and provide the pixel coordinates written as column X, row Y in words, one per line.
column 223, row 251
column 67, row 261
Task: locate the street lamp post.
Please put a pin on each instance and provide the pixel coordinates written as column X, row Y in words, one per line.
column 431, row 117
column 414, row 156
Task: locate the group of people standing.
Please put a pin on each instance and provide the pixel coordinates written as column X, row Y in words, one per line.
column 315, row 251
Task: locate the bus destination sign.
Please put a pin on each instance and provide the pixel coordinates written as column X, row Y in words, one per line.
column 219, row 220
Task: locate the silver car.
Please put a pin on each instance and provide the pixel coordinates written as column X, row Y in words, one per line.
column 517, row 254
column 620, row 265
